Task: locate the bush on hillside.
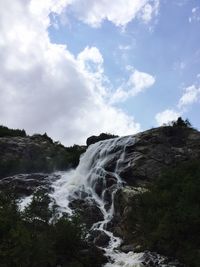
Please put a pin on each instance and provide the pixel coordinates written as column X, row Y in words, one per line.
column 38, row 237
column 167, row 217
column 181, row 123
column 6, row 132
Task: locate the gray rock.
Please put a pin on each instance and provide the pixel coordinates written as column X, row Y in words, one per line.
column 88, row 210
column 127, row 248
column 102, row 239
column 26, row 184
column 31, row 154
column 153, row 259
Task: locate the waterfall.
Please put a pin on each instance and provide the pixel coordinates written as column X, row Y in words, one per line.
column 98, row 175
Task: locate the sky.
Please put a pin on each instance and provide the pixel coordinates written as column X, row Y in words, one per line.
column 76, row 68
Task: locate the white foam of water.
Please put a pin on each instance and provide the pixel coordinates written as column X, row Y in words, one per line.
column 91, row 168
column 125, row 259
column 24, row 202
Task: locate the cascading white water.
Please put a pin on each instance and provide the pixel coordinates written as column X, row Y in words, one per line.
column 82, row 182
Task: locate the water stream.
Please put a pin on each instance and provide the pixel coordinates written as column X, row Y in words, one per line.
column 101, row 160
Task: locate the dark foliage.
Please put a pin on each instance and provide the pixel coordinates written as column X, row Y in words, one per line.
column 167, row 218
column 72, row 156
column 6, row 132
column 103, row 136
column 180, row 123
column 37, row 237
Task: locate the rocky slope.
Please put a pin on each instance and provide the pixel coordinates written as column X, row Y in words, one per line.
column 37, row 153
column 138, row 160
column 154, row 151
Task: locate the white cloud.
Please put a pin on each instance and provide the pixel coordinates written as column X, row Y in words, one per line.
column 138, row 82
column 181, row 3
column 91, row 54
column 43, row 87
column 124, row 47
column 149, row 10
column 195, row 15
column 194, row 10
column 91, row 59
column 179, row 66
column 190, row 96
column 166, row 116
column 119, row 12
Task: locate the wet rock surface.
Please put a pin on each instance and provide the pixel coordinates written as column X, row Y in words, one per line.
column 88, row 210
column 26, row 184
column 152, row 259
column 99, row 238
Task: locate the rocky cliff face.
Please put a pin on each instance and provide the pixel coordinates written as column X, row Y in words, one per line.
column 37, row 153
column 156, row 149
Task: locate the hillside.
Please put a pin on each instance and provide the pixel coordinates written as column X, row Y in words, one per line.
column 136, row 197
column 20, row 153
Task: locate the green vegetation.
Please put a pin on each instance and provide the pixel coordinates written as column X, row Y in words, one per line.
column 6, row 132
column 166, row 219
column 38, row 237
column 73, row 155
column 59, row 157
column 179, row 123
column 39, row 160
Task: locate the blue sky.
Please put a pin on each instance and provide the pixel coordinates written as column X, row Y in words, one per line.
column 167, row 47
column 132, row 64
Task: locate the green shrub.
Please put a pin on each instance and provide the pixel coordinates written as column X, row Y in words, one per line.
column 180, row 123
column 168, row 215
column 38, row 237
column 6, row 132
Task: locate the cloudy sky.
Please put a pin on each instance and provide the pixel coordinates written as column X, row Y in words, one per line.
column 73, row 68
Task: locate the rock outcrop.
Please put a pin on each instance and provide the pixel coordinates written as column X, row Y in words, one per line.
column 37, row 153
column 154, row 150
column 24, row 185
column 103, row 136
